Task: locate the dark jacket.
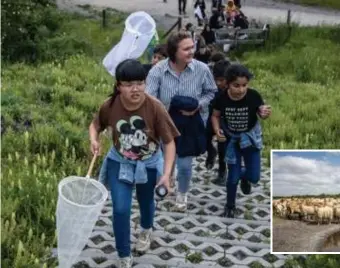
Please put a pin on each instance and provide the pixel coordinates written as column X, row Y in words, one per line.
column 192, row 141
column 209, row 36
column 202, row 57
column 213, row 21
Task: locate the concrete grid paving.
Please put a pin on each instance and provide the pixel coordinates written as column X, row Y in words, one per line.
column 198, row 238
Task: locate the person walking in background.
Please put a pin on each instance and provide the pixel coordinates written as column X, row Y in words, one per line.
column 231, row 11
column 208, row 35
column 182, row 6
column 202, row 52
column 235, row 121
column 159, row 53
column 181, row 75
column 139, row 124
column 215, row 21
column 216, row 4
column 201, row 5
column 219, row 70
column 216, row 57
column 153, row 43
column 189, row 27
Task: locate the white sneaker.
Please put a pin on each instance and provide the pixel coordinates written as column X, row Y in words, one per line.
column 144, row 241
column 125, row 262
column 181, row 202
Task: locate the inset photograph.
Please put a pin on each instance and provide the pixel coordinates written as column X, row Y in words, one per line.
column 305, row 201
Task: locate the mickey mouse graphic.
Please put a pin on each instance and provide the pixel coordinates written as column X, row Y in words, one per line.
column 133, row 139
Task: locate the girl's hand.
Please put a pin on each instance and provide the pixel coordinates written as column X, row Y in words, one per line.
column 95, row 147
column 164, row 180
column 265, row 111
column 220, row 136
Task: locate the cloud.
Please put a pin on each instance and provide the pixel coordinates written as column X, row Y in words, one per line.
column 301, row 176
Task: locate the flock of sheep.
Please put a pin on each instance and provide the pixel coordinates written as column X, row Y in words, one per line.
column 320, row 210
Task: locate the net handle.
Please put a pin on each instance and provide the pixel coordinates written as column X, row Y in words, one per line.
column 91, row 165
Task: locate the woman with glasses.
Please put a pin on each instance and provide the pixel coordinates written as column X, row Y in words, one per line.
column 139, row 123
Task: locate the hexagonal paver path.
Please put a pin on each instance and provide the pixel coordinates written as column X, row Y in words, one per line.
column 200, row 237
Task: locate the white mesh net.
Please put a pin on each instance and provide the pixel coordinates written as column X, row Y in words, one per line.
column 80, row 202
column 140, row 27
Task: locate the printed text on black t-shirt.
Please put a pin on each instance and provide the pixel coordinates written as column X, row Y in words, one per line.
column 237, row 118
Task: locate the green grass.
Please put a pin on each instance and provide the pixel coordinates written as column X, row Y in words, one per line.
column 300, row 81
column 335, row 4
column 60, row 94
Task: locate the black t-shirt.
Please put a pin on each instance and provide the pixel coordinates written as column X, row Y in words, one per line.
column 238, row 116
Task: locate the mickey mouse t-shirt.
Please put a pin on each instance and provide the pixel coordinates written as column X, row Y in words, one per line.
column 238, row 116
column 137, row 134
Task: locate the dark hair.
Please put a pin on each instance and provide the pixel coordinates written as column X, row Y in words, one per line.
column 220, row 68
column 188, row 26
column 161, row 49
column 127, row 70
column 173, row 41
column 217, row 56
column 237, row 70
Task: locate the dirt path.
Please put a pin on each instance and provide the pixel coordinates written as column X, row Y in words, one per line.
column 296, row 236
column 264, row 10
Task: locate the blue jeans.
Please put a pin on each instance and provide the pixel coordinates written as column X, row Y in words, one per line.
column 184, row 173
column 121, row 193
column 184, row 169
column 251, row 172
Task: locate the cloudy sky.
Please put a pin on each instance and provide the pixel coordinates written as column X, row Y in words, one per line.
column 306, row 173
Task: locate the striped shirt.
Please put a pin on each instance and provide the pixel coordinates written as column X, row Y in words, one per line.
column 195, row 81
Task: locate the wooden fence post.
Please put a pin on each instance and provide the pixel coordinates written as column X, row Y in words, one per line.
column 179, row 23
column 104, row 18
column 289, row 16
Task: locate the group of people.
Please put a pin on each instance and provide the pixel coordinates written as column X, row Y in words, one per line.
column 229, row 14
column 164, row 114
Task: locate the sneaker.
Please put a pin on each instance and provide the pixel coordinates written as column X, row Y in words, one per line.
column 245, row 186
column 144, row 241
column 220, row 180
column 181, row 202
column 229, row 212
column 125, row 262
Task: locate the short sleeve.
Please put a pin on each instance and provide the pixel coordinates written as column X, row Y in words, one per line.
column 217, row 102
column 101, row 118
column 164, row 126
column 153, row 81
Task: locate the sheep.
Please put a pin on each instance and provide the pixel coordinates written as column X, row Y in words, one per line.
column 337, row 213
column 324, row 213
column 315, row 209
column 307, row 211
